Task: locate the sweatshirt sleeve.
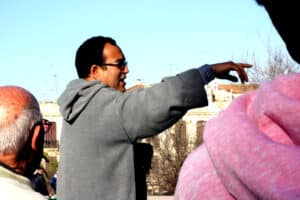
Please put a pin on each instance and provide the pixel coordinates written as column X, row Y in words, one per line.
column 206, row 73
column 149, row 111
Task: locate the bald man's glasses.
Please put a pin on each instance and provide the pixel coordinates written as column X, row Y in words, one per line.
column 46, row 125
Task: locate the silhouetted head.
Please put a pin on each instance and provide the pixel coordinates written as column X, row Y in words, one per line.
column 285, row 17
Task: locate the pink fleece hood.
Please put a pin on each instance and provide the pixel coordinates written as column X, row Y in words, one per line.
column 251, row 149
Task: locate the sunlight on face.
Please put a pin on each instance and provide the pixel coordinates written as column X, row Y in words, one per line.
column 112, row 75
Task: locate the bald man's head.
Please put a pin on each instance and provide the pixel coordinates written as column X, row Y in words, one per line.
column 19, row 110
column 13, row 101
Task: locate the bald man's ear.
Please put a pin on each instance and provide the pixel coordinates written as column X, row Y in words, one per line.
column 37, row 141
column 32, row 153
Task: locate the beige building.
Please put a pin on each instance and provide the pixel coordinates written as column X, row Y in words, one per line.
column 219, row 97
column 50, row 111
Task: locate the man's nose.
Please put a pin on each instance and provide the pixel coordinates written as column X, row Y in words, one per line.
column 126, row 69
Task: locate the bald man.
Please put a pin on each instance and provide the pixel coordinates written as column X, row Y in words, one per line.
column 21, row 142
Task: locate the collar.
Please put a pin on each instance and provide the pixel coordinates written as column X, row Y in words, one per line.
column 6, row 173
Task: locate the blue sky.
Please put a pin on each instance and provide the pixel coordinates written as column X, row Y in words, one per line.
column 39, row 38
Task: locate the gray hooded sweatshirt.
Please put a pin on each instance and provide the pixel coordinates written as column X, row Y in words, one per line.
column 100, row 125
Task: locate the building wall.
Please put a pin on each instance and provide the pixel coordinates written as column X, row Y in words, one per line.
column 50, row 111
column 219, row 97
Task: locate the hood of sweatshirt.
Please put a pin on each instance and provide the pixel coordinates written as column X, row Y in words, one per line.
column 76, row 96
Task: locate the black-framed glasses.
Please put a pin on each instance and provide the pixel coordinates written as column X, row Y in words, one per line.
column 46, row 125
column 121, row 64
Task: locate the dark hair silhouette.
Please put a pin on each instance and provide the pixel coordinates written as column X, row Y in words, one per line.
column 89, row 53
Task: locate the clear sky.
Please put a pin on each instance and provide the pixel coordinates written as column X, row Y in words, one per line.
column 39, row 38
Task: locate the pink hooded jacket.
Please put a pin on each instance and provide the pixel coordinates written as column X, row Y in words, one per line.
column 251, row 149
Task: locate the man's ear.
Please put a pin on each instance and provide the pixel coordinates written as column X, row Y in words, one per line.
column 94, row 70
column 36, row 141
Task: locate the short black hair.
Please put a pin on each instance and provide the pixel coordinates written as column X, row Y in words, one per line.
column 89, row 53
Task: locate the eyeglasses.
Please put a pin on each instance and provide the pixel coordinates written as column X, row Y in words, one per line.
column 121, row 64
column 46, row 125
column 46, row 122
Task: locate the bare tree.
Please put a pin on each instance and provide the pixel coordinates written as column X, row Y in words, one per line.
column 277, row 63
column 171, row 148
